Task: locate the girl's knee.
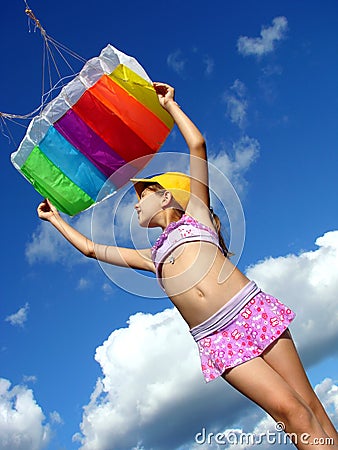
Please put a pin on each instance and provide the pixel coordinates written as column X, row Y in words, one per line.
column 315, row 404
column 294, row 412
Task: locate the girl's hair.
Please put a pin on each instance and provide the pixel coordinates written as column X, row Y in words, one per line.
column 218, row 226
column 156, row 187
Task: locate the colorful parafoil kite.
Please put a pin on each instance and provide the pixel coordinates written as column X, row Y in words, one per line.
column 107, row 117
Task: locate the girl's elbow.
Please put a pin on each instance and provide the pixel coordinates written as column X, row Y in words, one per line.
column 90, row 255
column 201, row 143
column 89, row 251
column 199, row 147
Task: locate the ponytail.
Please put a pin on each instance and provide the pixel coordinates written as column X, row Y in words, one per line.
column 217, row 224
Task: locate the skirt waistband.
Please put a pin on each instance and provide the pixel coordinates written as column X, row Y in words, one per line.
column 226, row 314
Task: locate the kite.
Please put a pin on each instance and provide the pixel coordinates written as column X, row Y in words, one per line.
column 103, row 127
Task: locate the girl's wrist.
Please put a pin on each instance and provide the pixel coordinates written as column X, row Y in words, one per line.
column 171, row 104
column 54, row 219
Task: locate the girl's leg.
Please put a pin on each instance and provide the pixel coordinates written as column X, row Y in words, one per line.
column 282, row 356
column 258, row 381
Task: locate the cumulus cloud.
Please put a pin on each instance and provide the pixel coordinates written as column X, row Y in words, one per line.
column 21, row 419
column 263, row 432
column 237, row 104
column 269, row 36
column 236, row 162
column 47, row 244
column 152, row 394
column 308, row 283
column 156, row 356
column 327, row 391
column 20, row 317
column 228, row 186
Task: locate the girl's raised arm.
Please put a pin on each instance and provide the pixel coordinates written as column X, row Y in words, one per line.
column 199, row 186
column 119, row 256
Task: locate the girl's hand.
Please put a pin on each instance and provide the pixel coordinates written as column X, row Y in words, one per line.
column 165, row 93
column 46, row 211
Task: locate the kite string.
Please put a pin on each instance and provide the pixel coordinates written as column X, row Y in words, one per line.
column 49, row 61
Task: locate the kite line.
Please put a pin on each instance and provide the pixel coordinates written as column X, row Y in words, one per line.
column 52, row 49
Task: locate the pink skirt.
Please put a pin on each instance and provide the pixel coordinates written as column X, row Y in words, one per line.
column 259, row 323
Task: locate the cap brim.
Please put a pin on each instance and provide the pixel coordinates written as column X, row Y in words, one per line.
column 139, row 184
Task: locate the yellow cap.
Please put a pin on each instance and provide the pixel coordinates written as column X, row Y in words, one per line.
column 175, row 182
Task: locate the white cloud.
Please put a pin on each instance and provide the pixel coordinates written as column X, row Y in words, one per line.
column 152, row 394
column 176, row 61
column 209, row 63
column 29, row 379
column 272, row 70
column 235, row 163
column 264, row 44
column 107, row 288
column 156, row 356
column 83, row 283
column 47, row 244
column 327, row 391
column 20, row 317
column 21, row 419
column 237, row 104
column 261, row 431
column 308, row 283
column 55, row 418
column 228, row 186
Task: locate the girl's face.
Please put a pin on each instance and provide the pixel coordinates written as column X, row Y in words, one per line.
column 148, row 207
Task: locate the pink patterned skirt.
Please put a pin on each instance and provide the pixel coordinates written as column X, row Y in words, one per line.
column 259, row 323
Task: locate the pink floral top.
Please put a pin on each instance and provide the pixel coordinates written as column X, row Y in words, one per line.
column 187, row 229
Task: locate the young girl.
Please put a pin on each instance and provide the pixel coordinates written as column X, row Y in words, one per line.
column 242, row 333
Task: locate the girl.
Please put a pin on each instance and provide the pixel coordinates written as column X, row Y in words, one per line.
column 242, row 333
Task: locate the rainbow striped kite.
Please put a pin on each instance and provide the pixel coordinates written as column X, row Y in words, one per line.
column 102, row 128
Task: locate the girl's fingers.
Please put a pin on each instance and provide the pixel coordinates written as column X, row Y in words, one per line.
column 162, row 87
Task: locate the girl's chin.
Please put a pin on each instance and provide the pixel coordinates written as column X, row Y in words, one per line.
column 146, row 224
column 142, row 223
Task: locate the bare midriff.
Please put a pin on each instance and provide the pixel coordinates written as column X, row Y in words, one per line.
column 199, row 280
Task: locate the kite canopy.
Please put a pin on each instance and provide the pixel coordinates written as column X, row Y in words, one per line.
column 102, row 121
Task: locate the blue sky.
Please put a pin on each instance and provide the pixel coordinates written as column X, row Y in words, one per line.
column 89, row 358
